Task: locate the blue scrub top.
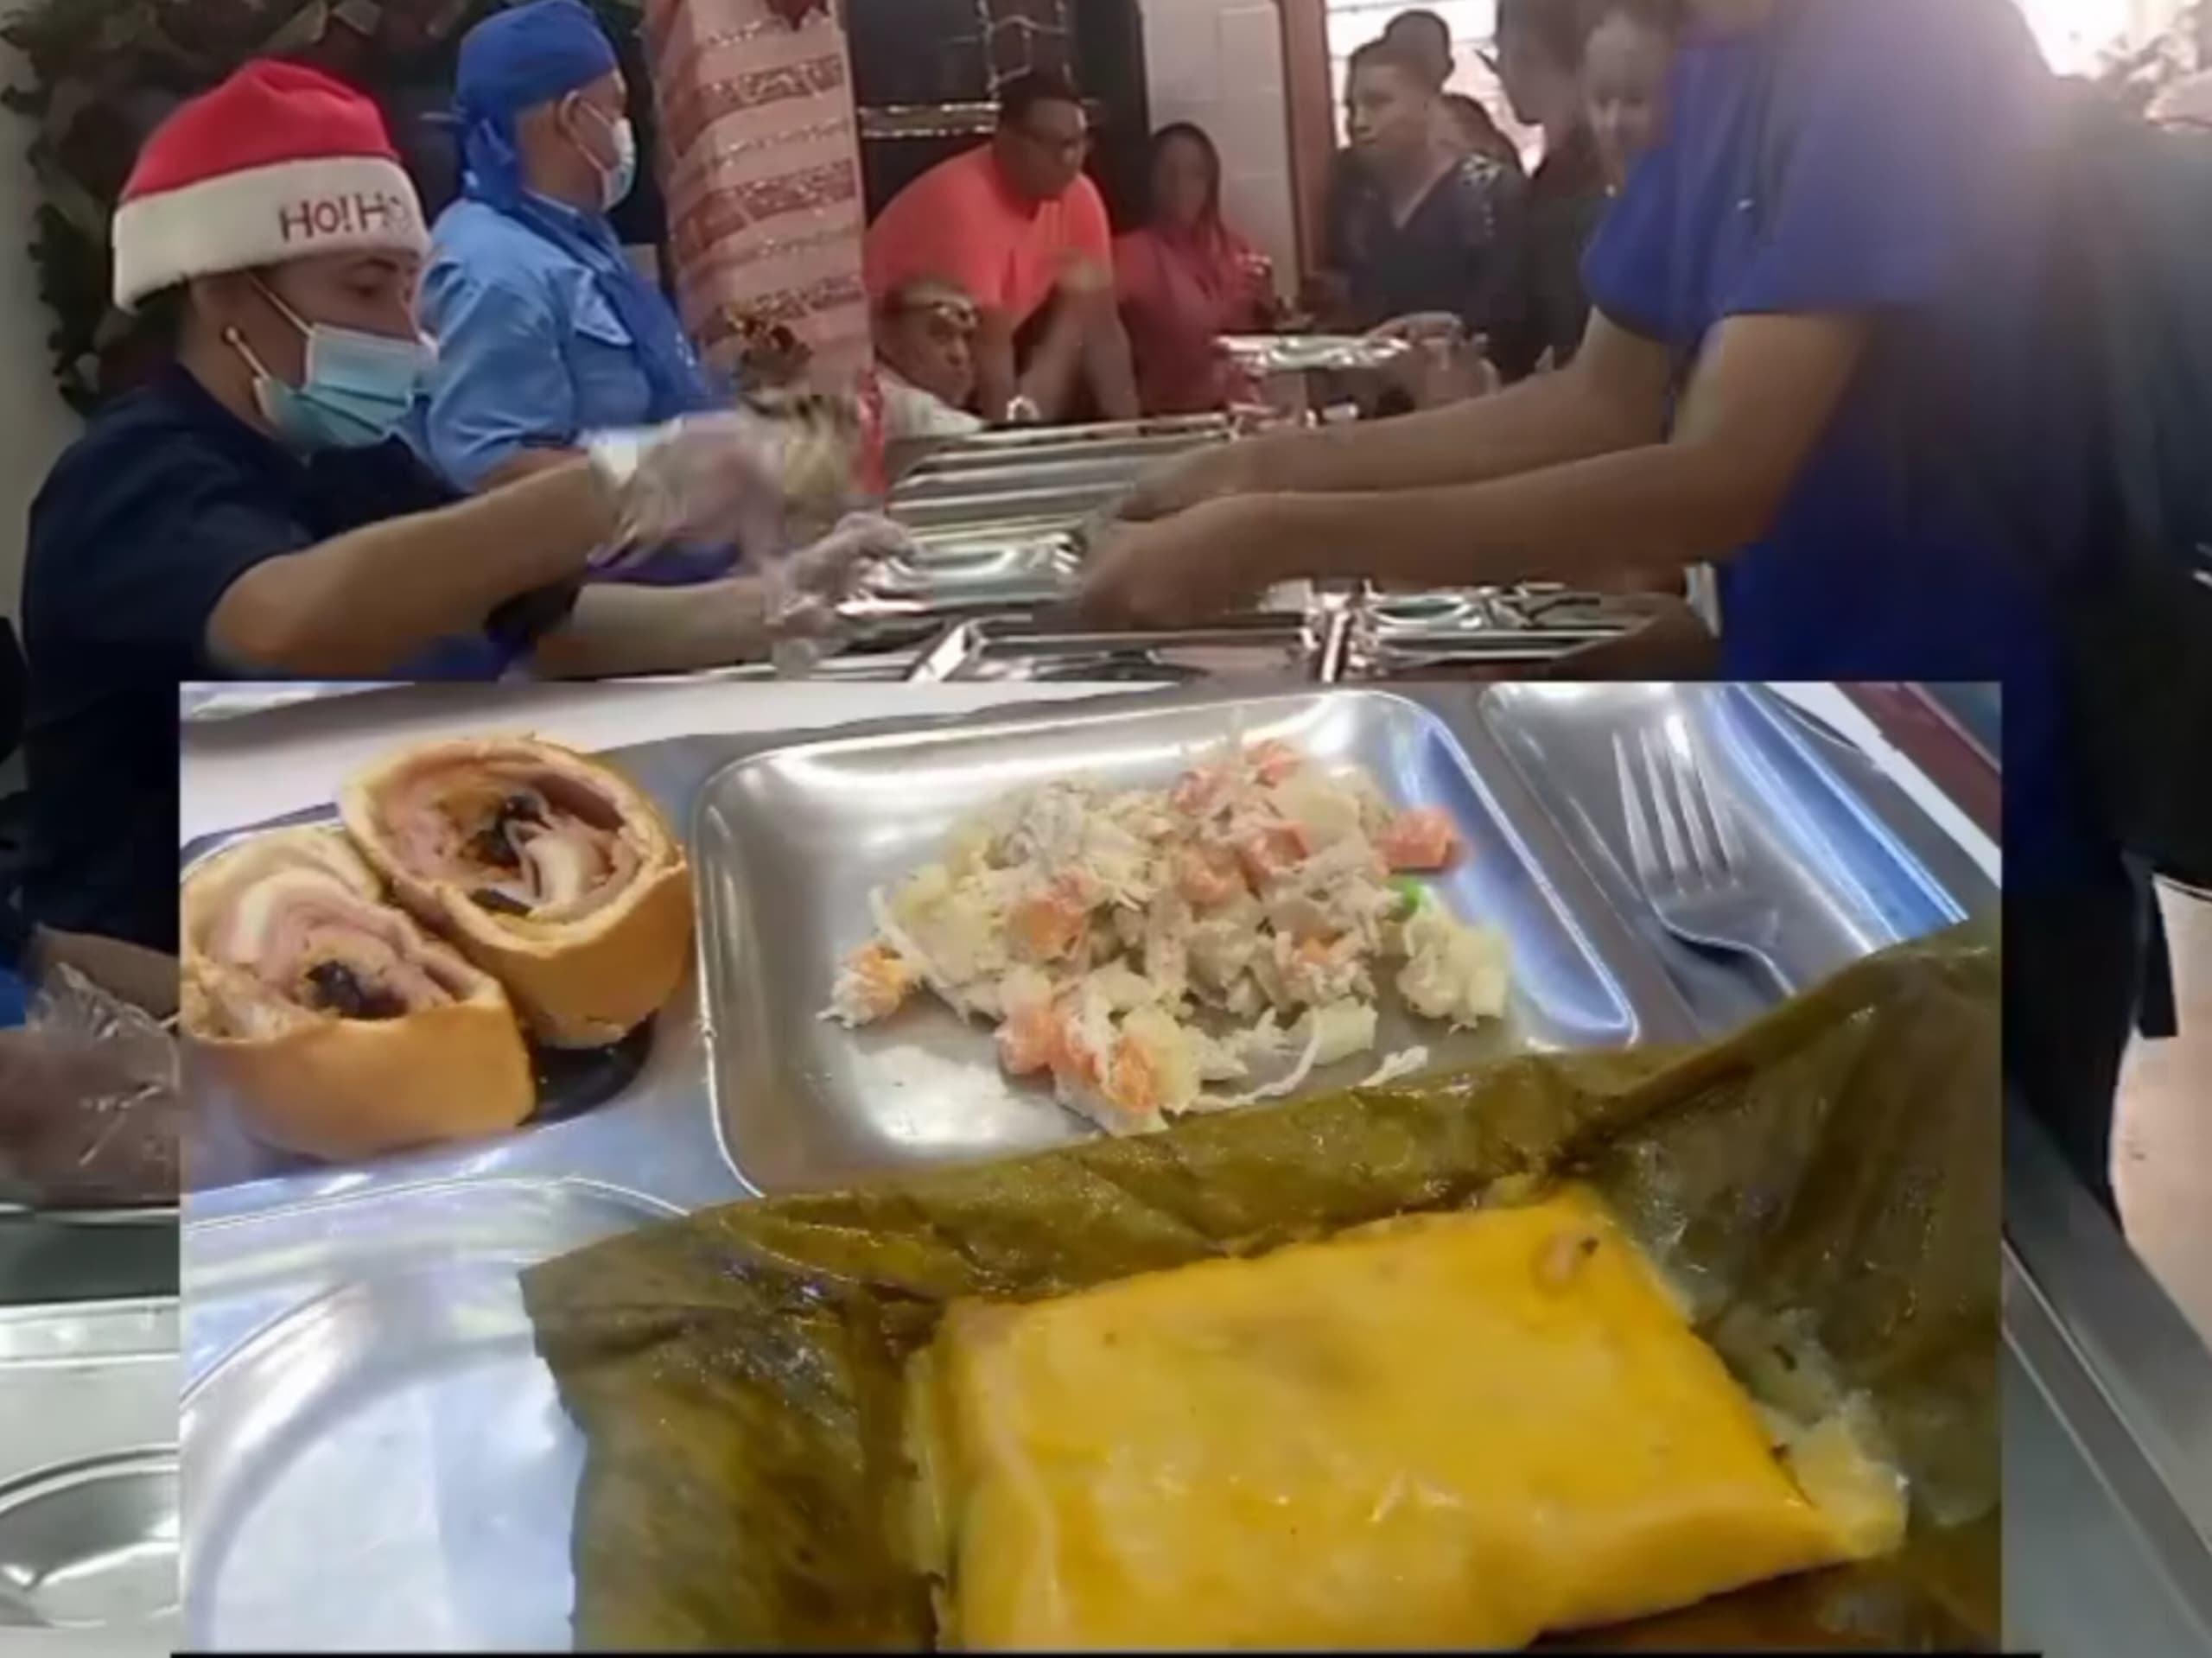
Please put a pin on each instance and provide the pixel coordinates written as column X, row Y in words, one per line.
column 14, row 953
column 531, row 355
column 140, row 530
column 1879, row 157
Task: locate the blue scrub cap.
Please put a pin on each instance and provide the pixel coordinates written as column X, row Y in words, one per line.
column 515, row 61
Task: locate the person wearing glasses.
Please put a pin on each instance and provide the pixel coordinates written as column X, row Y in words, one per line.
column 1016, row 226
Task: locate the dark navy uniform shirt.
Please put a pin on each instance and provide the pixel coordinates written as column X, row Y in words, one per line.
column 142, row 527
column 1462, row 252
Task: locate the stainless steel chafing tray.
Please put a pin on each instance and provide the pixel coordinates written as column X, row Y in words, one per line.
column 1312, row 353
column 1271, row 646
column 1397, row 635
column 88, row 1473
column 1025, row 440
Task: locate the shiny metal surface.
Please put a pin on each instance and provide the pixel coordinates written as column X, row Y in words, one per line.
column 2108, row 1432
column 790, row 843
column 372, row 1453
column 1030, row 439
column 1687, row 855
column 1850, row 863
column 999, row 510
column 88, row 1497
column 209, row 704
column 1274, row 646
column 1401, row 635
column 1312, row 353
column 1108, row 470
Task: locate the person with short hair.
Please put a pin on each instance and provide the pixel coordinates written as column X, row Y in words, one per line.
column 544, row 330
column 1425, row 38
column 926, row 362
column 1539, row 65
column 1185, row 279
column 1016, row 225
column 1427, row 230
column 1478, row 134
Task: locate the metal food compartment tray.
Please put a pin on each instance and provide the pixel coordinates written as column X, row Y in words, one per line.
column 1106, row 472
column 374, row 1457
column 994, row 510
column 1265, row 354
column 1268, row 647
column 1024, row 440
column 789, row 844
column 1850, row 864
column 88, row 1471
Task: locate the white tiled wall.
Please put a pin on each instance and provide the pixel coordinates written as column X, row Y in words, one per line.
column 1219, row 63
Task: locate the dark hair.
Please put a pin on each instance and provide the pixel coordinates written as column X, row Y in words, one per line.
column 1022, row 94
column 1392, row 55
column 1402, row 29
column 157, row 320
column 1663, row 17
column 1187, row 132
column 1555, row 25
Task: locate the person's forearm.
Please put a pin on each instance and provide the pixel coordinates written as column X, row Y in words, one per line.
column 995, row 380
column 526, row 463
column 1050, row 378
column 361, row 603
column 1656, row 509
column 1544, row 423
column 1110, row 366
column 619, row 630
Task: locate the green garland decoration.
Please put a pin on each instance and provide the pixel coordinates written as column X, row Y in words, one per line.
column 103, row 72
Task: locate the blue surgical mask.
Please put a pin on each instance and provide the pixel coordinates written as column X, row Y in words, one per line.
column 614, row 187
column 359, row 386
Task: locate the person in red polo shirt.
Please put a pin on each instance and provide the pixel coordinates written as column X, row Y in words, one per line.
column 1016, row 225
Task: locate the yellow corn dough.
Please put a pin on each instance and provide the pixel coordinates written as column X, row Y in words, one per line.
column 1459, row 1430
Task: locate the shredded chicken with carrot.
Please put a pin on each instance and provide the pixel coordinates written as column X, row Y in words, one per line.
column 1145, row 950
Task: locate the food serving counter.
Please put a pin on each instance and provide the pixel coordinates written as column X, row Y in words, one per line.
column 364, row 1406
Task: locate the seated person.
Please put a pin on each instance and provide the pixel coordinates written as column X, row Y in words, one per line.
column 248, row 515
column 544, row 330
column 925, row 362
column 1185, row 280
column 1016, row 225
column 1425, row 229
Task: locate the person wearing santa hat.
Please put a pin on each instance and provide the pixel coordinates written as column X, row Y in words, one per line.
column 251, row 514
column 545, row 331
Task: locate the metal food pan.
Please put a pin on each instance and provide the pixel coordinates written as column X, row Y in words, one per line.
column 1268, row 647
column 792, row 842
column 996, row 510
column 1138, row 453
column 1023, row 439
column 373, row 1456
column 1408, row 653
column 1850, row 864
column 89, row 1536
column 1055, row 471
column 1265, row 354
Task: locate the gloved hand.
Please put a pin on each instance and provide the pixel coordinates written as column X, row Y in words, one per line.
column 702, row 480
column 91, row 1113
column 807, row 588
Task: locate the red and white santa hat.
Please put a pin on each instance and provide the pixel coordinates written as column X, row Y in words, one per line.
column 278, row 162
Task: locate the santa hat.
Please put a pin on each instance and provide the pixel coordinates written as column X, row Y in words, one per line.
column 278, row 162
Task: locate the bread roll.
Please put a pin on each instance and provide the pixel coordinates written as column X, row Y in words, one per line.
column 547, row 870
column 342, row 1030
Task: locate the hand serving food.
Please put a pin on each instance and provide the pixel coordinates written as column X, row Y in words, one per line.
column 1194, row 566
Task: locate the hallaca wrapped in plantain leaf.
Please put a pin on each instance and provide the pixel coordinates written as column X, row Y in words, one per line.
column 1821, row 1190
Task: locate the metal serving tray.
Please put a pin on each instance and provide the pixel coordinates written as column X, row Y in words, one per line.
column 1313, row 353
column 994, row 569
column 998, row 511
column 1852, row 864
column 1272, row 647
column 1028, row 440
column 646, row 1128
column 790, row 843
column 1107, row 470
column 1403, row 635
column 373, row 1456
column 88, row 1472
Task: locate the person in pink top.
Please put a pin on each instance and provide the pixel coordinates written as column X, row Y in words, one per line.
column 1016, row 225
column 1186, row 279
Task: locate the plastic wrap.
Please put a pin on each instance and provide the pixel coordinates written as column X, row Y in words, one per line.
column 1824, row 1187
column 91, row 1114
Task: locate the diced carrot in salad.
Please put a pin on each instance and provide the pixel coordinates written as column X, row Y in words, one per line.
column 1420, row 840
column 1269, row 852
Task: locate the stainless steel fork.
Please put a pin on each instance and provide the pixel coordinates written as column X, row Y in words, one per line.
column 1687, row 853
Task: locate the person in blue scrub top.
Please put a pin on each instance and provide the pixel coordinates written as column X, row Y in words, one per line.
column 545, row 329
column 1812, row 360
